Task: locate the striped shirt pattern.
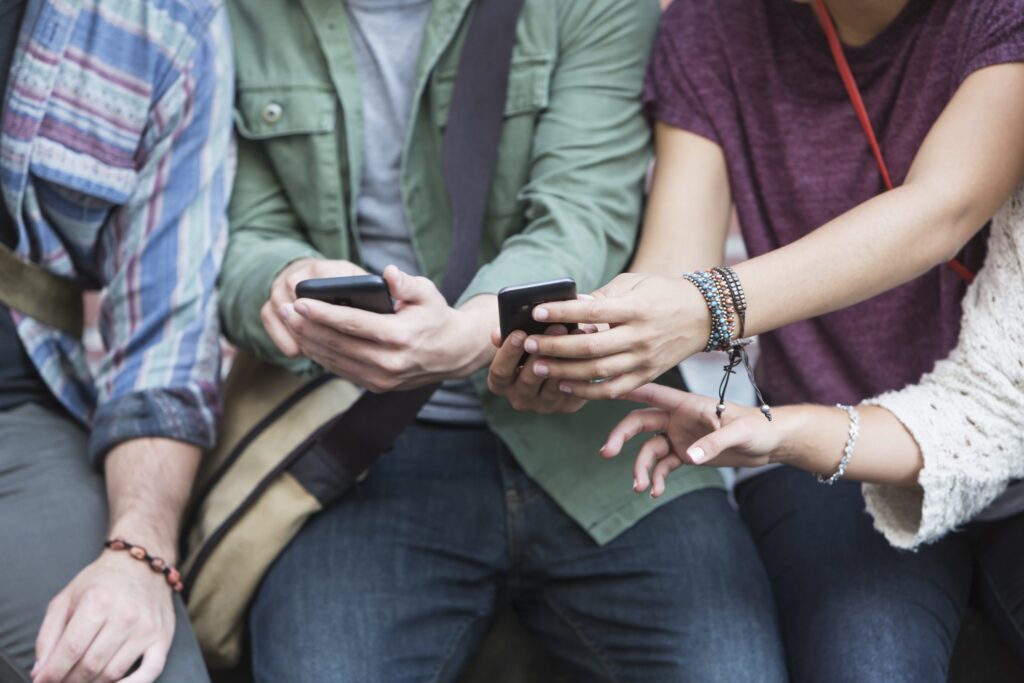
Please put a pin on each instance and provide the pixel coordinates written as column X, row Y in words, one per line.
column 115, row 160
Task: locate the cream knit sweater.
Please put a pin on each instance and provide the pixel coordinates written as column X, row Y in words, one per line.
column 967, row 415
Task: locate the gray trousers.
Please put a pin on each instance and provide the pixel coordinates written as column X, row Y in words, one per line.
column 53, row 520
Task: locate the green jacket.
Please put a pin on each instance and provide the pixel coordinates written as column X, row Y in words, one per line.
column 566, row 198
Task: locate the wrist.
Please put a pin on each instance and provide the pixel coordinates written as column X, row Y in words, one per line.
column 141, row 556
column 793, row 424
column 694, row 316
column 157, row 541
column 474, row 322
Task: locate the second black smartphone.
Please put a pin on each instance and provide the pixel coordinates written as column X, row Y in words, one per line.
column 516, row 304
column 368, row 292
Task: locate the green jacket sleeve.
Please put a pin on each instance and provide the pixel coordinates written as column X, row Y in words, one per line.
column 590, row 153
column 265, row 237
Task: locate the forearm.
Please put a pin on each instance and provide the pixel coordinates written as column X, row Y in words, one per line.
column 814, row 437
column 968, row 165
column 870, row 249
column 148, row 485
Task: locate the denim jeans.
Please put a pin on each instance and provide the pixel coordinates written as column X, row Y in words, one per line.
column 852, row 607
column 400, row 580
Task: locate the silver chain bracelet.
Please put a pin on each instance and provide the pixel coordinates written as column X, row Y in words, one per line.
column 851, row 442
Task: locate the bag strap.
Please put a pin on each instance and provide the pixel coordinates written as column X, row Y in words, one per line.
column 349, row 444
column 39, row 294
column 853, row 92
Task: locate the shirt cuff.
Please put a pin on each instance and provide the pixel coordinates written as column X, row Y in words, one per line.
column 183, row 414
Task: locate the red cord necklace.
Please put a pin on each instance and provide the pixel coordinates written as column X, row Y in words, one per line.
column 862, row 113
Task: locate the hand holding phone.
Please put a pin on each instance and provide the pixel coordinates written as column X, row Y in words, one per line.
column 516, row 304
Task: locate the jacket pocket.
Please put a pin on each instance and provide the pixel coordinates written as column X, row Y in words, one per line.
column 297, row 128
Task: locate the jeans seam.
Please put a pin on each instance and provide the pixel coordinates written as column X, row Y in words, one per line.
column 608, row 667
column 450, row 653
column 1002, row 605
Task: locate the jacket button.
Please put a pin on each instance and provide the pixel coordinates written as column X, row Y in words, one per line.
column 272, row 112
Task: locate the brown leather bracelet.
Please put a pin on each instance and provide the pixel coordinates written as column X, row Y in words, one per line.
column 171, row 574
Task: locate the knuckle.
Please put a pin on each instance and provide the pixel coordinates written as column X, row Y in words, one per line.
column 92, row 665
column 392, row 365
column 74, row 649
column 387, row 384
column 130, row 617
column 98, row 602
column 399, row 338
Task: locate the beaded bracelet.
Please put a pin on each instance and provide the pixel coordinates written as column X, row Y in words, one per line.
column 851, row 442
column 171, row 575
column 720, row 334
column 727, row 303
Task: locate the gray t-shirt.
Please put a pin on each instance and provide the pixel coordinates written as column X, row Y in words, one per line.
column 387, row 35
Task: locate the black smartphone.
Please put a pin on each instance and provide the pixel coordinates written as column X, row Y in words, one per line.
column 368, row 292
column 516, row 304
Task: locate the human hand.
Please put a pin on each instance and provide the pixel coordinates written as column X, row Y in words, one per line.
column 282, row 293
column 520, row 384
column 113, row 612
column 423, row 342
column 688, row 432
column 654, row 323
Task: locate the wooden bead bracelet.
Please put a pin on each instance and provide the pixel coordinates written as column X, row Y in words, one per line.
column 171, row 575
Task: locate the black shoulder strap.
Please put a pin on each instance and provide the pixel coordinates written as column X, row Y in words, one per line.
column 347, row 446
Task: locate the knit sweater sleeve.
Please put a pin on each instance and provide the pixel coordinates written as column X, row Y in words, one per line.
column 967, row 415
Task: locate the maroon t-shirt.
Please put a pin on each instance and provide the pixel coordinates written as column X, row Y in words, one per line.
column 757, row 78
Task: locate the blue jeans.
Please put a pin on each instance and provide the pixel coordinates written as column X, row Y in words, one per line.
column 400, row 580
column 853, row 608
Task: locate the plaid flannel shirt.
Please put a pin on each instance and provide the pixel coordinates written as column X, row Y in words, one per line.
column 115, row 163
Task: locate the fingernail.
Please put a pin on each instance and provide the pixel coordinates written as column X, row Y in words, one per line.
column 530, row 346
column 585, row 296
column 565, row 388
column 282, row 312
column 302, row 309
column 696, row 453
column 541, row 370
column 540, row 313
column 517, row 340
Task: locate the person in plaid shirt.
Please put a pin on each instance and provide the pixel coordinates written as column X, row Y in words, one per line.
column 115, row 166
